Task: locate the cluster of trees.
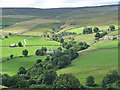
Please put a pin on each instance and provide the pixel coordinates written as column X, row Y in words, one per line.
column 41, row 52
column 57, row 38
column 66, row 33
column 87, row 30
column 96, row 29
column 46, row 77
column 111, row 80
column 78, row 46
column 100, row 35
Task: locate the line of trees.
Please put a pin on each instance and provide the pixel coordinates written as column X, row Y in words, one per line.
column 49, row 79
column 100, row 35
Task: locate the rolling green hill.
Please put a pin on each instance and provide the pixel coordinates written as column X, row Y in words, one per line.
column 75, row 17
column 96, row 63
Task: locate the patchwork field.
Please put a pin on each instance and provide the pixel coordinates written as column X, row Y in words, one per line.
column 29, row 40
column 80, row 29
column 11, row 67
column 93, row 63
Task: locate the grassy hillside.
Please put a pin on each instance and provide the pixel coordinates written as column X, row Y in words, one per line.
column 76, row 17
column 96, row 63
column 30, row 25
column 11, row 67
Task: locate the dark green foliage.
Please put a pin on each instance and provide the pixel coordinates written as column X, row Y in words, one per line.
column 87, row 30
column 5, row 79
column 6, row 36
column 25, row 52
column 32, row 81
column 47, row 58
column 48, row 77
column 57, row 38
column 103, row 34
column 74, row 45
column 66, row 81
column 11, row 56
column 110, row 78
column 65, row 34
column 112, row 27
column 90, row 81
column 22, row 70
column 15, row 81
column 100, row 35
column 44, row 49
column 43, row 86
column 38, row 61
column 97, row 35
column 10, row 34
column 59, row 48
column 20, row 44
column 40, row 52
column 96, row 29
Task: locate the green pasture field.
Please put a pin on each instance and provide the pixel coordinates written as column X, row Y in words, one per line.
column 76, row 30
column 88, row 38
column 11, row 67
column 17, row 51
column 29, row 40
column 103, row 44
column 96, row 63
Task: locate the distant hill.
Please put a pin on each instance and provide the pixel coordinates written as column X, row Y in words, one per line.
column 76, row 17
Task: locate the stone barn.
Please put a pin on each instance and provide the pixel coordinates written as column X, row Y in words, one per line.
column 49, row 52
column 12, row 45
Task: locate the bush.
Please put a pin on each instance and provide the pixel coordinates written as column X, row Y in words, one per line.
column 38, row 61
column 90, row 81
column 25, row 52
column 11, row 56
column 66, row 81
column 6, row 36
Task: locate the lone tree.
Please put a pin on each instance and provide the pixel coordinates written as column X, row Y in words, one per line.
column 110, row 78
column 112, row 27
column 25, row 52
column 66, row 81
column 10, row 33
column 6, row 36
column 11, row 56
column 90, row 81
column 20, row 44
column 96, row 29
column 40, row 52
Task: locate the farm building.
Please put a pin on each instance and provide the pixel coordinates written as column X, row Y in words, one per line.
column 108, row 37
column 49, row 52
column 12, row 45
column 52, row 52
